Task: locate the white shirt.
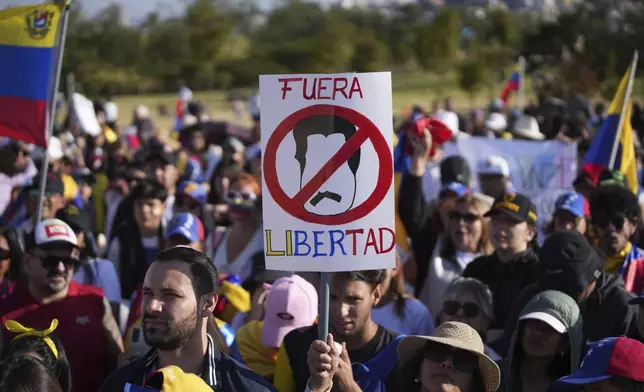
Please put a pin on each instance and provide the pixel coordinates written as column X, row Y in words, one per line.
column 169, row 210
column 440, row 275
column 7, row 184
column 417, row 321
column 243, row 264
column 432, row 182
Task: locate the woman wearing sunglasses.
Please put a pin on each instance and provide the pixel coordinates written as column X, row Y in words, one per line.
column 451, row 359
column 466, row 237
column 233, row 248
column 546, row 344
column 469, row 301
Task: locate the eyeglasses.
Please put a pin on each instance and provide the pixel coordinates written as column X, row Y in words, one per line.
column 467, row 218
column 470, row 309
column 602, row 221
column 462, row 360
column 51, row 262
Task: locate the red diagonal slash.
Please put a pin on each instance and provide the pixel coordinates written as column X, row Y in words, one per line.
column 337, row 160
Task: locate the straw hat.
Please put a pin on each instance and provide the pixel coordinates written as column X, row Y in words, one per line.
column 457, row 335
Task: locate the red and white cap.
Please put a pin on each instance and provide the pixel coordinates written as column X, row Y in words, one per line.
column 54, row 230
column 291, row 303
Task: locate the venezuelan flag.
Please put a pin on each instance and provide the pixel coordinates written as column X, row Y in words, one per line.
column 512, row 84
column 597, row 158
column 28, row 58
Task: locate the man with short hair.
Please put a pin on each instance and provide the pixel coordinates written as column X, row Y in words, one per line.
column 352, row 295
column 494, row 176
column 179, row 297
column 615, row 214
column 87, row 328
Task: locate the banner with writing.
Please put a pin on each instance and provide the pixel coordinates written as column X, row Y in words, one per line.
column 541, row 170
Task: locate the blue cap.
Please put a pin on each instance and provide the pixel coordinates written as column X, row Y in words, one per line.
column 194, row 190
column 574, row 203
column 187, row 226
column 455, row 187
column 607, row 358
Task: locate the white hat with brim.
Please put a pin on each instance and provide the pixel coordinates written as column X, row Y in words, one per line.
column 457, row 335
column 547, row 318
column 527, row 127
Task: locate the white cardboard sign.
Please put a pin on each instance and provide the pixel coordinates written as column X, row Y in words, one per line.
column 327, row 167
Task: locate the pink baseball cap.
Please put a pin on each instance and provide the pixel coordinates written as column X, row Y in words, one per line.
column 291, row 303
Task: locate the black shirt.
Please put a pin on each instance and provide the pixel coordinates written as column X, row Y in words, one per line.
column 506, row 280
column 298, row 342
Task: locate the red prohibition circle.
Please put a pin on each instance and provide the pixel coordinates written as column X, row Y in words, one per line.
column 370, row 132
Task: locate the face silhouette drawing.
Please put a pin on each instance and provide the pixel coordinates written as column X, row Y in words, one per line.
column 317, row 139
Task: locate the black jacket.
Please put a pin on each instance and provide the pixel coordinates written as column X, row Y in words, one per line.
column 506, row 280
column 221, row 372
column 423, row 232
column 605, row 314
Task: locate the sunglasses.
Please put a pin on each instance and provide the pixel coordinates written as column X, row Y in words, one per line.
column 243, row 196
column 602, row 221
column 186, row 202
column 470, row 309
column 467, row 217
column 5, row 254
column 462, row 360
column 51, row 262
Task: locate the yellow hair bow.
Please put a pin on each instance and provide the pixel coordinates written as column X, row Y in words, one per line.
column 16, row 327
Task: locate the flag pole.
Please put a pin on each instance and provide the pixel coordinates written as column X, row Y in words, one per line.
column 622, row 115
column 49, row 124
column 522, row 82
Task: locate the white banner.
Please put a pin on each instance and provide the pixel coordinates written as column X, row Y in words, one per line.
column 327, row 166
column 541, row 170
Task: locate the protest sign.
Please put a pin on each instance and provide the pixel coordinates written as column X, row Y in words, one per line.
column 328, row 197
column 85, row 115
column 541, row 170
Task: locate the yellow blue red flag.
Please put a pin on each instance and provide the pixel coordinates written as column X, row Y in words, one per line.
column 597, row 158
column 28, row 53
column 512, row 84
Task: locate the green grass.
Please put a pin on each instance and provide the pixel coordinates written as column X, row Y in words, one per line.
column 408, row 89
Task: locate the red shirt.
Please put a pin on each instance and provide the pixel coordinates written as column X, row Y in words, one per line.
column 80, row 328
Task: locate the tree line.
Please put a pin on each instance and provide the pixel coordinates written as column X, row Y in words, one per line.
column 223, row 44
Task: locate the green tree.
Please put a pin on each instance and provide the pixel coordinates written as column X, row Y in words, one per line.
column 473, row 76
column 370, row 54
column 502, row 28
column 437, row 42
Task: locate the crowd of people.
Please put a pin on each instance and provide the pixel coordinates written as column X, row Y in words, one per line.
column 147, row 271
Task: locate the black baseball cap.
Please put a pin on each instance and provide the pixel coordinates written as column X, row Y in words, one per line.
column 515, row 205
column 53, row 186
column 455, row 169
column 568, row 263
column 75, row 217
